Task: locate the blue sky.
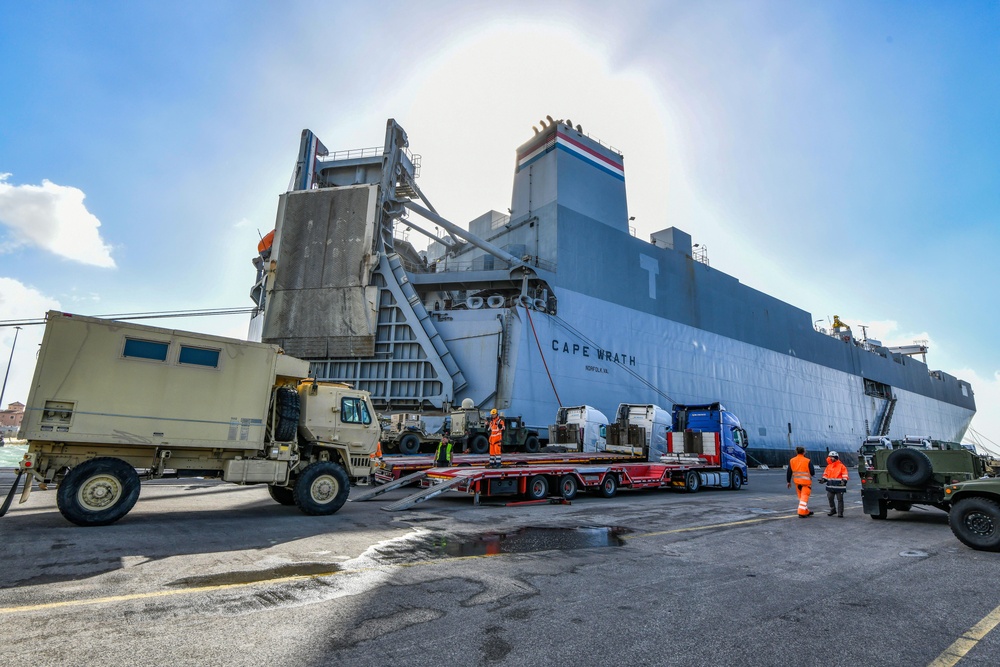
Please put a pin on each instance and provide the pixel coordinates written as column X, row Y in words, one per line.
column 840, row 156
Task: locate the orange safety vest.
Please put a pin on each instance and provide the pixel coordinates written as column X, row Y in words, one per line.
column 800, row 470
column 836, row 471
column 496, row 428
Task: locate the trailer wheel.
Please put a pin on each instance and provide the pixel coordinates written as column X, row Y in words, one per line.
column 737, row 479
column 409, row 444
column 479, row 445
column 568, row 487
column 281, row 494
column 322, row 488
column 692, row 482
column 531, row 444
column 98, row 492
column 288, row 414
column 538, row 488
column 883, row 511
column 609, row 486
column 909, row 466
column 976, row 522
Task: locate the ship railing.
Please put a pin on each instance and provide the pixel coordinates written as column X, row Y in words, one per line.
column 446, row 264
column 372, row 151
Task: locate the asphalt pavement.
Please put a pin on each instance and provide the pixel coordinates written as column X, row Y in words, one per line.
column 207, row 573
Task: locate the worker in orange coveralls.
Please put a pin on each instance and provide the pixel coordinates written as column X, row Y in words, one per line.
column 496, row 438
column 835, row 477
column 801, row 471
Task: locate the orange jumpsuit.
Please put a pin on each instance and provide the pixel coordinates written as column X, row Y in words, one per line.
column 496, row 439
column 800, row 473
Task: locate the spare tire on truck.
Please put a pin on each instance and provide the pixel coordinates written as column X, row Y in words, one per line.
column 909, row 466
column 287, row 426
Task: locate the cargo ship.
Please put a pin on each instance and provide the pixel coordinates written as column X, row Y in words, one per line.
column 557, row 303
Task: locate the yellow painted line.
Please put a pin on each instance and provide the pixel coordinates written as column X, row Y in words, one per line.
column 961, row 646
column 305, row 577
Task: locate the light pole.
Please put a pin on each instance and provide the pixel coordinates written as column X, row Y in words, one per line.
column 12, row 346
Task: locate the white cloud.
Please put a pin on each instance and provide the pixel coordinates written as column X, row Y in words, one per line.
column 54, row 218
column 986, row 423
column 18, row 302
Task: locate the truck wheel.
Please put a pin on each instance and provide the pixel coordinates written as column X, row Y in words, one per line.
column 883, row 511
column 909, row 466
column 98, row 492
column 531, row 444
column 322, row 488
column 568, row 487
column 288, row 414
column 692, row 482
column 736, row 483
column 976, row 522
column 409, row 444
column 609, row 486
column 538, row 488
column 479, row 445
column 281, row 494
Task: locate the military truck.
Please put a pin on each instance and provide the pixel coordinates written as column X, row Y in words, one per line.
column 974, row 515
column 470, row 431
column 409, row 433
column 914, row 471
column 113, row 403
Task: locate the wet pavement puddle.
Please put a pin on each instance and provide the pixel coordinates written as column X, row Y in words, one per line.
column 524, row 540
column 253, row 576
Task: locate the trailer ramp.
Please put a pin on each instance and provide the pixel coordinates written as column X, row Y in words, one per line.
column 379, row 490
column 424, row 494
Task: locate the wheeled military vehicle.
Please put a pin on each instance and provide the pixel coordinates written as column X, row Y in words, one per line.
column 974, row 516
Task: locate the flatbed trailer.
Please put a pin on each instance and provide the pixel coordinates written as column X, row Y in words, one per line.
column 394, row 467
column 539, row 481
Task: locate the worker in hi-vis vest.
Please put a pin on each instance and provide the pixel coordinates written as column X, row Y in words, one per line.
column 442, row 458
column 801, row 471
column 835, row 477
column 496, row 438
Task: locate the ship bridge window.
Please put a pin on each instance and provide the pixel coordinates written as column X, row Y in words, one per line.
column 965, row 390
column 354, row 411
column 145, row 349
column 199, row 356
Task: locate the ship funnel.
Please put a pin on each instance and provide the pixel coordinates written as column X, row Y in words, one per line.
column 495, row 301
column 474, row 302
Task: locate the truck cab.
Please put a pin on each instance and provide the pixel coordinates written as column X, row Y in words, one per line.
column 713, row 433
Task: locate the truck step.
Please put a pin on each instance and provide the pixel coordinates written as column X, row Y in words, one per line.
column 379, row 490
column 423, row 494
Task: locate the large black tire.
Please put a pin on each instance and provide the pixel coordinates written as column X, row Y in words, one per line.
column 976, row 522
column 692, row 482
column 531, row 444
column 287, row 427
column 479, row 445
column 609, row 486
column 282, row 495
column 568, row 487
column 98, row 492
column 409, row 444
column 909, row 466
column 736, row 483
column 322, row 488
column 538, row 488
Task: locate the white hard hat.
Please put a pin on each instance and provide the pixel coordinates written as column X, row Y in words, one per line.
column 834, row 455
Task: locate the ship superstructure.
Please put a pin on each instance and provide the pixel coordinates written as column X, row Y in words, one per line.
column 559, row 304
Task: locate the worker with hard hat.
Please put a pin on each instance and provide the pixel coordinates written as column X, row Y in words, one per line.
column 801, row 471
column 835, row 477
column 496, row 438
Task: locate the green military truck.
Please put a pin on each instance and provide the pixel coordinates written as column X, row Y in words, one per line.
column 470, row 430
column 915, row 471
column 974, row 515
